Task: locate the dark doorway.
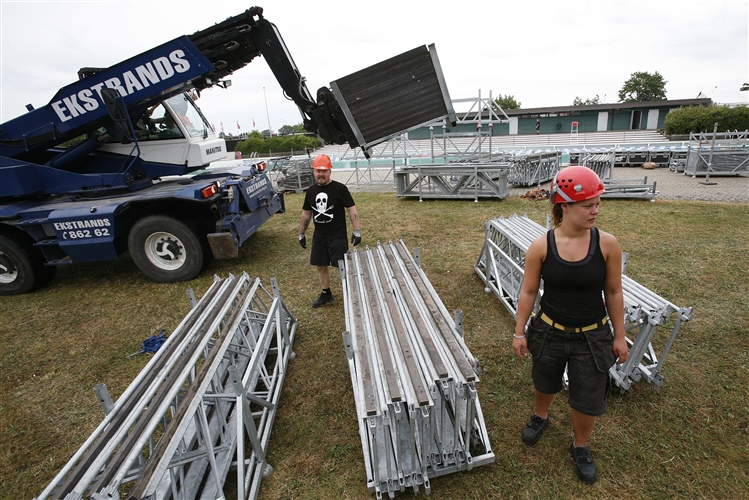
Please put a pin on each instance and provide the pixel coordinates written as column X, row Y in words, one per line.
column 636, row 119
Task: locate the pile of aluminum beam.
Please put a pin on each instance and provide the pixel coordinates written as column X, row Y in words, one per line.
column 533, row 168
column 202, row 406
column 501, row 263
column 452, row 180
column 413, row 377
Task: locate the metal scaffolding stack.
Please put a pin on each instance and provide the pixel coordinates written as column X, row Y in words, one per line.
column 501, row 263
column 413, row 377
column 453, row 180
column 533, row 168
column 202, row 406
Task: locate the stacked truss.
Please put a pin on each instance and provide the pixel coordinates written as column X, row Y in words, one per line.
column 501, row 264
column 202, row 406
column 600, row 163
column 413, row 377
column 453, row 180
column 530, row 169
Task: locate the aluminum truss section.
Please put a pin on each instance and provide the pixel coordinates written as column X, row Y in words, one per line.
column 202, row 406
column 600, row 163
column 461, row 144
column 533, row 168
column 452, row 180
column 413, row 377
column 500, row 266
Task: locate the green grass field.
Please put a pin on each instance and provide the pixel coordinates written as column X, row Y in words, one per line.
column 689, row 439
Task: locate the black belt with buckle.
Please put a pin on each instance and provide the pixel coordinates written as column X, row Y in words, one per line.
column 569, row 329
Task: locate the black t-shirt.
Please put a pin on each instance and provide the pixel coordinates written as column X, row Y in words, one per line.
column 328, row 205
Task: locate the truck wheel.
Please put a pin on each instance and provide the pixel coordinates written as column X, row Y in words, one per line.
column 22, row 267
column 165, row 249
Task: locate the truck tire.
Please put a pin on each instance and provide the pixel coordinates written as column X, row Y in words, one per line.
column 22, row 268
column 166, row 249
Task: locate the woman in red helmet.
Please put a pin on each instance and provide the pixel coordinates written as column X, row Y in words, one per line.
column 582, row 304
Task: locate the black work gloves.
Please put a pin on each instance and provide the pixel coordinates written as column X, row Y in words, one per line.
column 356, row 237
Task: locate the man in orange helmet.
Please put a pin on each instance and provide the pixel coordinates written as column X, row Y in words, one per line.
column 327, row 203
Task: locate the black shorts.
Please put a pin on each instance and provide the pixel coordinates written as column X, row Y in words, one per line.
column 327, row 252
column 586, row 356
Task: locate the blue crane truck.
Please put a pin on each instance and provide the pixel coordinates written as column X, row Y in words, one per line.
column 120, row 160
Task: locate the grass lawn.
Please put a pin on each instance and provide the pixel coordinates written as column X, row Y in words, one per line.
column 689, row 439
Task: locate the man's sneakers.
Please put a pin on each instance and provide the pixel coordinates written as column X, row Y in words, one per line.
column 584, row 466
column 323, row 299
column 533, row 429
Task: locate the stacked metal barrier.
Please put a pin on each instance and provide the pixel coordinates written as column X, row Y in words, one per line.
column 501, row 264
column 701, row 162
column 292, row 174
column 202, row 406
column 414, row 379
column 452, row 180
column 603, row 165
column 719, row 153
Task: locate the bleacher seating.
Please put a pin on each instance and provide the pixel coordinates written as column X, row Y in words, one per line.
column 468, row 144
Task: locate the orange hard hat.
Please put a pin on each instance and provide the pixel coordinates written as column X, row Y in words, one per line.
column 322, row 162
column 574, row 184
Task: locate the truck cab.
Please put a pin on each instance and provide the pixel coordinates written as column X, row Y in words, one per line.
column 175, row 132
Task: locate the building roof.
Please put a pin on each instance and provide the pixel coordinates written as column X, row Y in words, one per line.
column 616, row 105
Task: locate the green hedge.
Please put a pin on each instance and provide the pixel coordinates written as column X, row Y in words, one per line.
column 698, row 119
column 256, row 144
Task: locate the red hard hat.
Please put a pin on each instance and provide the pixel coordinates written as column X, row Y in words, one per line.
column 322, row 162
column 574, row 184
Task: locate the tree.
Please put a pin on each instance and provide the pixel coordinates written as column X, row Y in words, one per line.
column 642, row 86
column 507, row 102
column 286, row 130
column 586, row 102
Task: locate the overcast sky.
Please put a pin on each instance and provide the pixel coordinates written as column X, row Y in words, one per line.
column 544, row 53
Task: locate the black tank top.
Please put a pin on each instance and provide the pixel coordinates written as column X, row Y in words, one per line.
column 573, row 291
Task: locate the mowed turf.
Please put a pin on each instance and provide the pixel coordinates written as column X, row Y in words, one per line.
column 689, row 439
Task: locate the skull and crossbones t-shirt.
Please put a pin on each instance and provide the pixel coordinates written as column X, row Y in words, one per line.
column 328, row 205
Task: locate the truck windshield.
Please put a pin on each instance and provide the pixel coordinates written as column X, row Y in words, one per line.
column 185, row 110
column 159, row 123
